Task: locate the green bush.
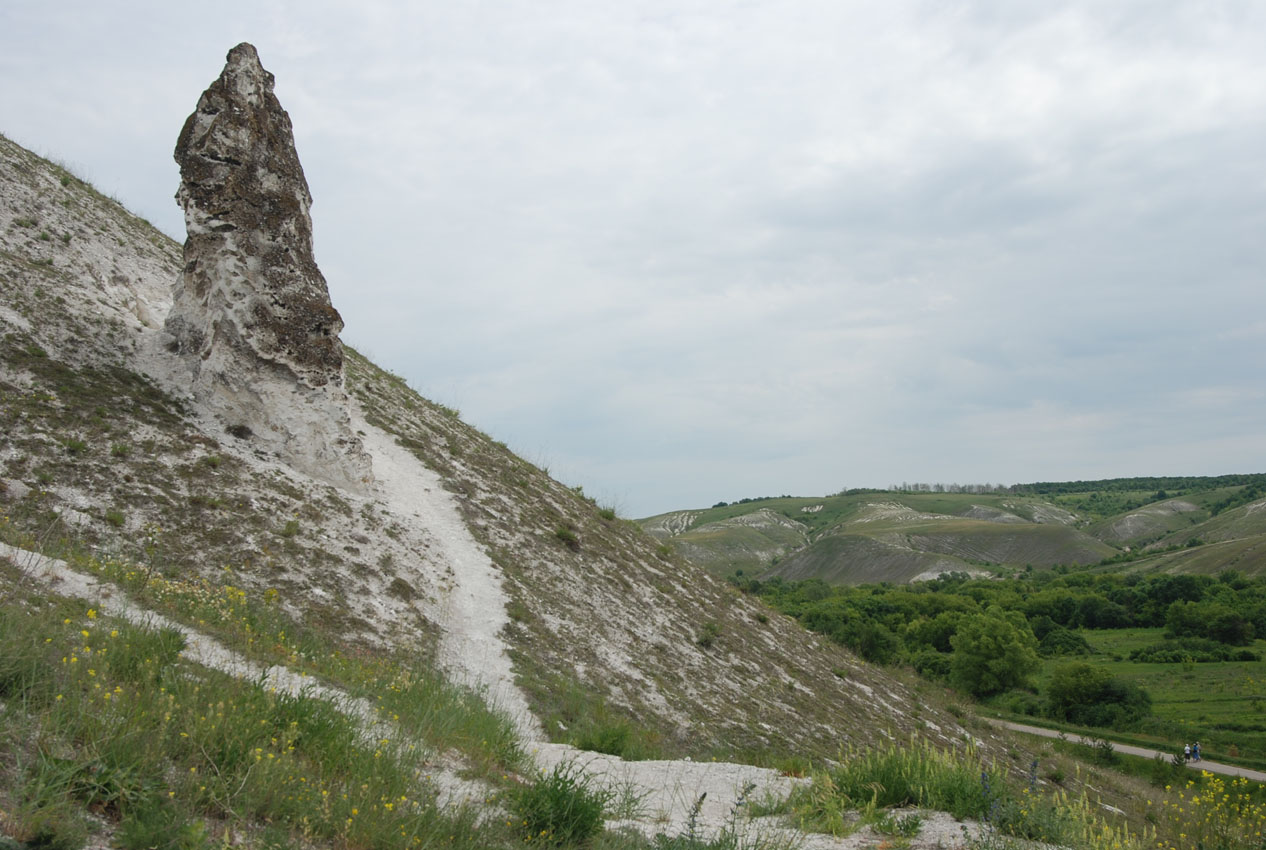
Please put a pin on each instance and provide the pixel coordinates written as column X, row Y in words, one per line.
column 1091, row 696
column 1020, row 702
column 993, row 652
column 1199, row 650
column 610, row 738
column 1062, row 641
column 708, row 634
column 931, row 664
column 568, row 537
column 916, row 774
column 561, row 807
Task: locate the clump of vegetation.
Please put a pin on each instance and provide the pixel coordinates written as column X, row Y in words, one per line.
column 568, row 538
column 561, row 807
column 708, row 634
column 613, row 738
column 166, row 750
column 1190, row 650
column 1091, row 696
column 1215, row 812
column 870, row 783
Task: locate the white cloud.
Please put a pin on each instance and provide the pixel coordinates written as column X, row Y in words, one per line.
column 697, row 250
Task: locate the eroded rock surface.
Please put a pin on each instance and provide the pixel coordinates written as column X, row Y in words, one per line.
column 251, row 313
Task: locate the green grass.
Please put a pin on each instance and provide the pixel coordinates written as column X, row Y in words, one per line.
column 403, row 684
column 112, row 719
column 869, row 783
column 560, row 807
column 1220, row 704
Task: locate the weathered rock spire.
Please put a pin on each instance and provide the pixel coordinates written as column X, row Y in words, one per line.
column 251, row 312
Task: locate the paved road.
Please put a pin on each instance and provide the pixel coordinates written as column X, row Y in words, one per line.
column 1211, row 766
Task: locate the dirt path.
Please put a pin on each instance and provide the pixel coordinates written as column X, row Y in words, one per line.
column 1129, row 749
column 473, row 612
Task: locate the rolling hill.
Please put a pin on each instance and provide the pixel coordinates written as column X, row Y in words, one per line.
column 901, row 536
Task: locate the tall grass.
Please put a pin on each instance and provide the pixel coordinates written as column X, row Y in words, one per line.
column 103, row 714
column 870, row 780
column 405, row 686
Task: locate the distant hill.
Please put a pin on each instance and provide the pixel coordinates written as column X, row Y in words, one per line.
column 902, row 536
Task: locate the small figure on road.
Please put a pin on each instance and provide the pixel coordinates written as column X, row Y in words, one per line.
column 1195, row 751
column 1186, row 752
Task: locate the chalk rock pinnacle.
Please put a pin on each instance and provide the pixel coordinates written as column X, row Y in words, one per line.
column 251, row 312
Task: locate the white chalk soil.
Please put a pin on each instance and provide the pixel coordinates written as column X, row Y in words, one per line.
column 473, row 610
column 669, row 797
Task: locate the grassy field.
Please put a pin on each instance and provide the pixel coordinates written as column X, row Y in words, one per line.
column 1222, row 704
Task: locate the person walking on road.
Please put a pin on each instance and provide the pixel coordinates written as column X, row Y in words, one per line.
column 1195, row 751
column 1186, row 752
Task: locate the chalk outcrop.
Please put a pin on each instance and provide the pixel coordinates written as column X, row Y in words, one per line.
column 251, row 312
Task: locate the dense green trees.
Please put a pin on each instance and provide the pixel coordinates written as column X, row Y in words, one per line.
column 1091, row 696
column 993, row 652
column 985, row 635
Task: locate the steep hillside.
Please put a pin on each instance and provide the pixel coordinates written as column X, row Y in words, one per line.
column 105, row 455
column 322, row 617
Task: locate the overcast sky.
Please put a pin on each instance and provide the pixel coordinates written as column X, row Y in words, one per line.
column 689, row 251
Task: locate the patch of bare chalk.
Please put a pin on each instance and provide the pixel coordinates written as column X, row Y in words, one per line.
column 473, row 613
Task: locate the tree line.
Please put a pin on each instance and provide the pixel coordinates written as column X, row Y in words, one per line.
column 987, row 636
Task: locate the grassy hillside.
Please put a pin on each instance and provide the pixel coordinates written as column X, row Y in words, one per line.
column 901, row 536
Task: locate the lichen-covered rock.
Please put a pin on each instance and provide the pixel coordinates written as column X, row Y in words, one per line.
column 251, row 312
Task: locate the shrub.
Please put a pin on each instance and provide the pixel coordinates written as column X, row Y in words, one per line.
column 708, row 634
column 1216, row 812
column 1091, row 696
column 561, row 807
column 610, row 738
column 568, row 537
column 1062, row 641
column 916, row 774
column 160, row 826
column 1020, row 702
column 1199, row 650
column 931, row 664
column 401, row 589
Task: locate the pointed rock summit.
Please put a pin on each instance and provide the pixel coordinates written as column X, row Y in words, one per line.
column 251, row 312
